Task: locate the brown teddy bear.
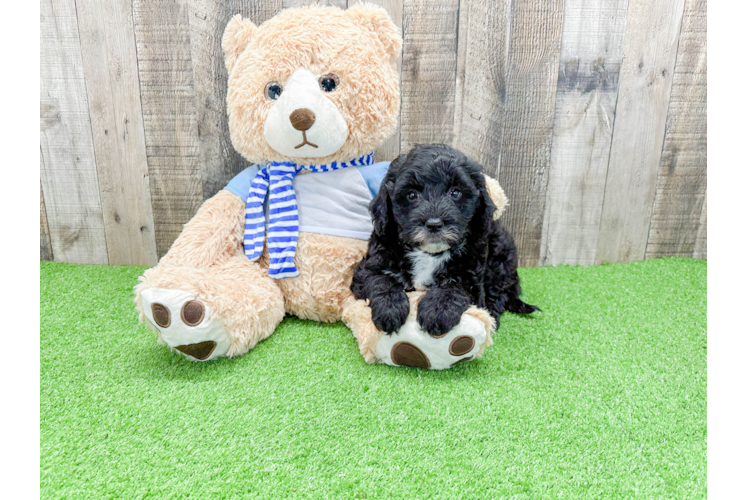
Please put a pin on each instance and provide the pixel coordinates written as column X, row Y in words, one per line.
column 311, row 93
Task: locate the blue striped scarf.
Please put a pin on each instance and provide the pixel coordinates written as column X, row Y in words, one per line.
column 276, row 181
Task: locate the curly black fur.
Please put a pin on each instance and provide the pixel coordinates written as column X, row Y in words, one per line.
column 434, row 200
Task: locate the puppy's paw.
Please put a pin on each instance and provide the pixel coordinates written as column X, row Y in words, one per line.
column 389, row 311
column 438, row 318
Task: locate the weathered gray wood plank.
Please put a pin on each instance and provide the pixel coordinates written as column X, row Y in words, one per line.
column 110, row 66
column 218, row 159
column 68, row 168
column 699, row 249
column 591, row 55
column 681, row 180
column 343, row 4
column 428, row 72
column 481, row 80
column 162, row 35
column 391, row 147
column 649, row 51
column 45, row 244
column 535, row 39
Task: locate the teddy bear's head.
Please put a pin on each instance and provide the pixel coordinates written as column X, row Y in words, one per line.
column 312, row 85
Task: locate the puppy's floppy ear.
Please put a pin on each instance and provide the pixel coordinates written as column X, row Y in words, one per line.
column 381, row 206
column 484, row 213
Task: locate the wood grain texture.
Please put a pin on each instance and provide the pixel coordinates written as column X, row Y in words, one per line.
column 68, row 166
column 591, row 114
column 481, row 80
column 532, row 75
column 162, row 35
column 591, row 55
column 45, row 244
column 699, row 249
column 343, row 4
column 391, row 147
column 428, row 72
column 650, row 46
column 219, row 162
column 681, row 179
column 111, row 69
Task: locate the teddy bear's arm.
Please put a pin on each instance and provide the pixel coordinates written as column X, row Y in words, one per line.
column 497, row 196
column 214, row 233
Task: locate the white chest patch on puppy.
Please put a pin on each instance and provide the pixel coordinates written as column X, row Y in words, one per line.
column 424, row 265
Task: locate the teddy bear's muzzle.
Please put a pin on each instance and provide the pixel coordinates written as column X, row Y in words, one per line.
column 304, row 122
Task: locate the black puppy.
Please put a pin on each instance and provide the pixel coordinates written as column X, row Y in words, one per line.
column 434, row 230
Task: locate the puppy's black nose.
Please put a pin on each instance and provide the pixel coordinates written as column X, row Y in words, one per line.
column 434, row 224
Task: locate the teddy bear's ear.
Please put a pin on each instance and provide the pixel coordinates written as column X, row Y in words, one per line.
column 237, row 35
column 378, row 21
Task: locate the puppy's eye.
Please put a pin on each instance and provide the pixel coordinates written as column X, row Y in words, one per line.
column 329, row 82
column 273, row 91
column 455, row 194
column 412, row 195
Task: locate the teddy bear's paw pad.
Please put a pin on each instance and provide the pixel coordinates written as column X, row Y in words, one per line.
column 461, row 345
column 406, row 354
column 193, row 313
column 411, row 346
column 161, row 315
column 184, row 323
column 201, row 350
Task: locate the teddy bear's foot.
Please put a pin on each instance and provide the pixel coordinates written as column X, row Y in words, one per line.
column 411, row 346
column 184, row 323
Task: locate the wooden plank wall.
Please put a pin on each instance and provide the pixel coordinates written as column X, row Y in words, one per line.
column 110, row 67
column 45, row 244
column 69, row 179
column 591, row 113
column 532, row 74
column 681, row 178
column 588, row 74
column 649, row 50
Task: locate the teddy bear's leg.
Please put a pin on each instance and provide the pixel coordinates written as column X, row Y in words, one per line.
column 207, row 313
column 411, row 346
column 205, row 298
column 357, row 317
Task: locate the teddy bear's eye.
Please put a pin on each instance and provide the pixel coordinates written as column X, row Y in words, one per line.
column 329, row 82
column 273, row 91
column 455, row 193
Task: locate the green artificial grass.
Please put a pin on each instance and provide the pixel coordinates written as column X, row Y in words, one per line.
column 602, row 395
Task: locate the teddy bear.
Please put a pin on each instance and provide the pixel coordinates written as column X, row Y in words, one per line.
column 312, row 92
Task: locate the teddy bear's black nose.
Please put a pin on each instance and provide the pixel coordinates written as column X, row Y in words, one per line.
column 302, row 119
